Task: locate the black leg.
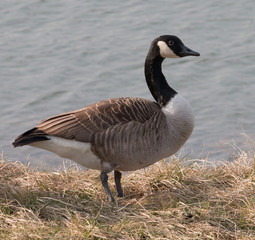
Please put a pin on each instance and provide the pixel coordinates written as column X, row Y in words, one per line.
column 104, row 180
column 117, row 178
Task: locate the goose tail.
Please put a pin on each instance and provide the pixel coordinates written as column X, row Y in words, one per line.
column 30, row 136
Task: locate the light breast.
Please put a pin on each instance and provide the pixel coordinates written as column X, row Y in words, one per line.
column 180, row 119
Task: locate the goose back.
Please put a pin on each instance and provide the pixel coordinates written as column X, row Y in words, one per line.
column 83, row 124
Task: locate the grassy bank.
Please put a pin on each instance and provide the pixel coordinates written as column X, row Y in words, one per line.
column 165, row 201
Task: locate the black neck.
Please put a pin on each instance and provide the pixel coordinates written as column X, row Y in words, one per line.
column 155, row 79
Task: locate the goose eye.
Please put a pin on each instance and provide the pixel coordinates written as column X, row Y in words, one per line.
column 171, row 42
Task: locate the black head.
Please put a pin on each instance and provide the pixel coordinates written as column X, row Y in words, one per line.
column 172, row 47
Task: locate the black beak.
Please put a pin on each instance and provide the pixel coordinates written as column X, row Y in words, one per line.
column 187, row 52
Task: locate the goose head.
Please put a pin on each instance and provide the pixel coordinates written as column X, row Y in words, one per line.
column 170, row 46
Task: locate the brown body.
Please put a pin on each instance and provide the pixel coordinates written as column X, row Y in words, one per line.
column 124, row 134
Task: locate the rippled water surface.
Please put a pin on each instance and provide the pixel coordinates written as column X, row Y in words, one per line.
column 58, row 56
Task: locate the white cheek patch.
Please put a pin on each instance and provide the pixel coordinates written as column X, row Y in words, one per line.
column 165, row 51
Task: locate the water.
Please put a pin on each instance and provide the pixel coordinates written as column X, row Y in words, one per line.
column 58, row 56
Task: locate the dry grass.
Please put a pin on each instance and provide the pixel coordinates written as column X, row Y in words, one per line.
column 165, row 201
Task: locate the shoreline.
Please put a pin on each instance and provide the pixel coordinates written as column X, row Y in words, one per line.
column 168, row 200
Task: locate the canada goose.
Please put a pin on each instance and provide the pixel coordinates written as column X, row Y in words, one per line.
column 122, row 134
